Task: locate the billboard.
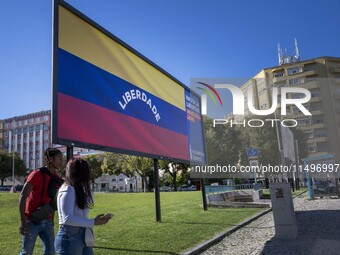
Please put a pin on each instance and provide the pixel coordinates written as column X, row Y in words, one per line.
column 109, row 97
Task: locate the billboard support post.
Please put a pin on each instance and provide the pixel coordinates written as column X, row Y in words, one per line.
column 157, row 195
column 204, row 197
column 69, row 152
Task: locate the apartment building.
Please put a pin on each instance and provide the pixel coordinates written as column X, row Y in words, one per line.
column 321, row 76
column 28, row 135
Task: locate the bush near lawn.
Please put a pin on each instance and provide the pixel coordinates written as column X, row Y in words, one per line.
column 134, row 229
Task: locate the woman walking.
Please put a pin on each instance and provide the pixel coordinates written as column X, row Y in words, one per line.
column 74, row 200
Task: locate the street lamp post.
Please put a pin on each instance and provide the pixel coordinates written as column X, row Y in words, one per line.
column 13, row 161
column 13, row 167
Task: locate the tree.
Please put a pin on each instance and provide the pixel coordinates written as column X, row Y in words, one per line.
column 6, row 165
column 95, row 162
column 112, row 163
column 223, row 144
column 136, row 164
column 173, row 169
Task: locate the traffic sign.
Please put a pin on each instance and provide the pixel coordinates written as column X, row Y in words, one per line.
column 253, row 152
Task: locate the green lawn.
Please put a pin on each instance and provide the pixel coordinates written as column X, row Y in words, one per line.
column 134, row 229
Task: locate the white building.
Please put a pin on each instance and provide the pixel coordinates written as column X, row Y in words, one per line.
column 121, row 183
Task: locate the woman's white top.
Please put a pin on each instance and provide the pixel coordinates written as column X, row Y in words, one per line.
column 69, row 213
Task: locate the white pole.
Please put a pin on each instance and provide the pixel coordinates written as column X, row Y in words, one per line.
column 13, row 170
column 13, row 187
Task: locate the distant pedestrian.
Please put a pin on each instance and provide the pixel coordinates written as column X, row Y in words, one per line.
column 38, row 202
column 74, row 200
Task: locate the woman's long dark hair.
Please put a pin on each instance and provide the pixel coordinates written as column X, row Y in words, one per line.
column 78, row 176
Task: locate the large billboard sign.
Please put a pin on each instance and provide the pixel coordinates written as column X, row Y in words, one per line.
column 109, row 97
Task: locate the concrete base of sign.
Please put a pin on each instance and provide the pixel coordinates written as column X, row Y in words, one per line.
column 283, row 211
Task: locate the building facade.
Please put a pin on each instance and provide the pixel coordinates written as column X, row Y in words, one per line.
column 120, row 183
column 321, row 76
column 28, row 135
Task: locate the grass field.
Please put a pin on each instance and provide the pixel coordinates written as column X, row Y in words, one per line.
column 134, row 229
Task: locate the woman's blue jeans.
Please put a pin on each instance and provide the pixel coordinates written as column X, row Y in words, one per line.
column 71, row 241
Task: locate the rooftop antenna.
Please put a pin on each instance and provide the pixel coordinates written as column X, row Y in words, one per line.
column 279, row 53
column 284, row 58
column 297, row 55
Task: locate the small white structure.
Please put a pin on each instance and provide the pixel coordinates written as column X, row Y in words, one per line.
column 121, row 183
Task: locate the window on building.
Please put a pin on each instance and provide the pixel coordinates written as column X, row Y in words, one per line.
column 318, row 120
column 281, row 74
column 304, row 121
column 315, row 107
column 309, row 79
column 296, row 81
column 311, row 148
column 295, row 70
column 320, row 133
column 323, row 147
column 309, row 68
column 114, row 180
column 298, row 111
column 298, row 95
column 315, row 93
column 309, row 133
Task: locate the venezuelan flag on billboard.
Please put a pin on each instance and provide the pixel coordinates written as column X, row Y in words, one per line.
column 109, row 97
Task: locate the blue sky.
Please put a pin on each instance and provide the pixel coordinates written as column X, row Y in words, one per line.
column 187, row 38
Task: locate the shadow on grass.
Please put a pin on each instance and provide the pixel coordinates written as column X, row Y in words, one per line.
column 129, row 251
column 197, row 223
column 318, row 233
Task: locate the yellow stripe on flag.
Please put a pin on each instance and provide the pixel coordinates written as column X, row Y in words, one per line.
column 86, row 42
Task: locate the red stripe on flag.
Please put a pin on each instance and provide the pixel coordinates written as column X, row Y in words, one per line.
column 89, row 123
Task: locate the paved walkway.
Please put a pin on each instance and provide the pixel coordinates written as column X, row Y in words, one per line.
column 318, row 232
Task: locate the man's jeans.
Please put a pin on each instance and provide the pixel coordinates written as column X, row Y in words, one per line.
column 71, row 241
column 46, row 233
